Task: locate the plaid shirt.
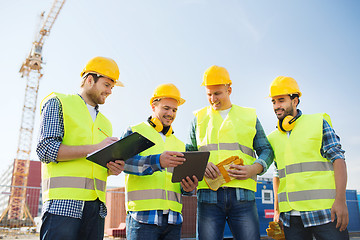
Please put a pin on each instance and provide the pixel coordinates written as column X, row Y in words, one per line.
column 147, row 165
column 262, row 148
column 331, row 150
column 50, row 138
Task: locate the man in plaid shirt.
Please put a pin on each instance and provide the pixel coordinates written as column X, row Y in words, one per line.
column 71, row 128
column 153, row 201
column 310, row 179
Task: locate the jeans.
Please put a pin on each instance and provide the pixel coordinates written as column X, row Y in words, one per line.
column 328, row 231
column 89, row 227
column 139, row 231
column 241, row 216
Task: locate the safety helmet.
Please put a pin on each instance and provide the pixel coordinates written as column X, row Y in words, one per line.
column 216, row 75
column 284, row 86
column 103, row 66
column 167, row 90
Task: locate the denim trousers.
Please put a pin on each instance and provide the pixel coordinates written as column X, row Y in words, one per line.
column 328, row 231
column 89, row 227
column 139, row 231
column 241, row 216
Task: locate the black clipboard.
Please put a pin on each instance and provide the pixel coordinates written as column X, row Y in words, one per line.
column 195, row 164
column 123, row 149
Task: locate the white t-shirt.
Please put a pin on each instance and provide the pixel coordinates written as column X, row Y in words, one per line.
column 92, row 112
column 224, row 113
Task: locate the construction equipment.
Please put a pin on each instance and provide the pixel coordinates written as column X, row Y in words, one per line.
column 17, row 213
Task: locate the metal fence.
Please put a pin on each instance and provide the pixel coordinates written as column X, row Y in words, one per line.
column 23, row 224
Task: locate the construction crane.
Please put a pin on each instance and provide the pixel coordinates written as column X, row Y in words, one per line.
column 17, row 213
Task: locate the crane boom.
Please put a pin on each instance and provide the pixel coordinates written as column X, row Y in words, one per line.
column 32, row 70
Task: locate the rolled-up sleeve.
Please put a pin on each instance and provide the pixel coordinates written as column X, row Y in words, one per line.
column 51, row 131
column 331, row 147
column 141, row 165
column 262, row 148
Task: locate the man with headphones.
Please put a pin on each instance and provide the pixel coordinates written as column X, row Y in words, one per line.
column 153, row 202
column 310, row 177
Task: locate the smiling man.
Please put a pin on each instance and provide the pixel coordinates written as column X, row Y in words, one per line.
column 73, row 188
column 153, row 201
column 227, row 130
column 310, row 177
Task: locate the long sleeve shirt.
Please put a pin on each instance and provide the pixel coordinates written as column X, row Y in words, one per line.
column 331, row 150
column 262, row 148
column 147, row 165
column 50, row 138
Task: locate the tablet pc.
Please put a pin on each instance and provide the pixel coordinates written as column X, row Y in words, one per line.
column 195, row 164
column 123, row 149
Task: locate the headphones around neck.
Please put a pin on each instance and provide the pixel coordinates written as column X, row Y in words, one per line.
column 287, row 123
column 156, row 123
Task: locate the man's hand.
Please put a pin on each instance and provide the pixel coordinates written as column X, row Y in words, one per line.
column 212, row 171
column 115, row 168
column 244, row 172
column 276, row 216
column 171, row 159
column 107, row 141
column 188, row 185
column 339, row 209
column 68, row 153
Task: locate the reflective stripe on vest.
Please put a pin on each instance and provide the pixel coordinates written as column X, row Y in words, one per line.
column 73, row 182
column 78, row 179
column 307, row 195
column 228, row 146
column 306, row 167
column 149, row 194
column 155, row 191
column 223, row 140
column 307, row 180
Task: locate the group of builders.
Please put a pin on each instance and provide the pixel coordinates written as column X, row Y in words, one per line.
column 309, row 181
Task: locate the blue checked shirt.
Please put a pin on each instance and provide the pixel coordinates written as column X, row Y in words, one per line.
column 262, row 148
column 50, row 138
column 331, row 150
column 147, row 165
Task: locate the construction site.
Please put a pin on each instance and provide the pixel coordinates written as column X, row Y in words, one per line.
column 20, row 176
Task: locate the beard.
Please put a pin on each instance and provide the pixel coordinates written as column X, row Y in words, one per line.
column 164, row 123
column 288, row 111
column 96, row 96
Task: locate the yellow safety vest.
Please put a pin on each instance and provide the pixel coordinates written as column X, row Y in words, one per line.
column 156, row 191
column 78, row 179
column 307, row 180
column 233, row 136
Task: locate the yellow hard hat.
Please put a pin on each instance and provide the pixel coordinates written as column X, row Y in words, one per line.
column 103, row 66
column 167, row 90
column 284, row 86
column 216, row 75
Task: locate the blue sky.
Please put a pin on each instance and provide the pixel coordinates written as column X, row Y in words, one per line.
column 154, row 42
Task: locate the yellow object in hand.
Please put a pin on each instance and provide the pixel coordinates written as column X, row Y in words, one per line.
column 223, row 166
column 275, row 231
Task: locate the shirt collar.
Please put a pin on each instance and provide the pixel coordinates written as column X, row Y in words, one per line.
column 96, row 107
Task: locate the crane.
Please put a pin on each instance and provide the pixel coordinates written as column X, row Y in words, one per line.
column 17, row 213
